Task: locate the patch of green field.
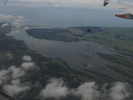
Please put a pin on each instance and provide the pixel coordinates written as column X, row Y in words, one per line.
column 118, row 38
column 102, row 76
column 116, row 59
column 118, row 69
column 59, row 62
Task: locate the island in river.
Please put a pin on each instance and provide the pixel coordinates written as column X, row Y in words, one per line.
column 118, row 38
column 120, row 63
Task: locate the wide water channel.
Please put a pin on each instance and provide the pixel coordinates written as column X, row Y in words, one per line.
column 81, row 55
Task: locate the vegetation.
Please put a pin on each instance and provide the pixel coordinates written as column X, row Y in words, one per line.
column 117, row 60
column 118, row 38
column 59, row 34
column 46, row 67
column 118, row 68
column 59, row 62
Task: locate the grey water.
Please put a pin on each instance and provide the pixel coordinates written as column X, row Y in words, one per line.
column 74, row 53
column 80, row 55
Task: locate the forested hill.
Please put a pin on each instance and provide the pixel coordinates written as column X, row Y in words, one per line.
column 118, row 38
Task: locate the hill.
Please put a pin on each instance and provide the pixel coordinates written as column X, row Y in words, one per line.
column 28, row 73
column 118, row 38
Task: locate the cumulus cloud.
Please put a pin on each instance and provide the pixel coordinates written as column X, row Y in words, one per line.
column 16, row 72
column 27, row 65
column 5, row 25
column 16, row 21
column 15, row 87
column 10, row 79
column 55, row 89
column 87, row 91
column 11, row 82
column 27, row 58
column 3, row 76
column 119, row 91
column 5, row 17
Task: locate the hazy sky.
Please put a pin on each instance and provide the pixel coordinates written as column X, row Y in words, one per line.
column 66, row 12
column 74, row 3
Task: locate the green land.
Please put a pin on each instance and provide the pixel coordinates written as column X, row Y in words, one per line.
column 46, row 67
column 119, row 38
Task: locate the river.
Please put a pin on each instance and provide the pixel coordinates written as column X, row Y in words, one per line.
column 80, row 55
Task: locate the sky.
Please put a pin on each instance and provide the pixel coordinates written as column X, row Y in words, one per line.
column 69, row 3
column 66, row 13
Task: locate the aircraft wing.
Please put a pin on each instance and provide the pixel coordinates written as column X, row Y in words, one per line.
column 4, row 96
column 128, row 8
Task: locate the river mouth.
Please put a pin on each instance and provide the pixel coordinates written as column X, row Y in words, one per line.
column 81, row 55
column 76, row 54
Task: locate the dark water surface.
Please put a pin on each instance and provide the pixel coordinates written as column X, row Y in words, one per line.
column 80, row 55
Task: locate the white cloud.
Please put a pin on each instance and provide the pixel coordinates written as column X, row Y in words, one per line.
column 5, row 25
column 15, row 82
column 10, row 79
column 16, row 21
column 3, row 76
column 87, row 91
column 16, row 72
column 15, row 87
column 27, row 58
column 119, row 91
column 5, row 17
column 55, row 89
column 27, row 65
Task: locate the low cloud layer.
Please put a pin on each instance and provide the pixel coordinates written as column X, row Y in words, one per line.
column 55, row 89
column 119, row 91
column 87, row 91
column 3, row 76
column 15, row 87
column 10, row 79
column 16, row 72
column 27, row 65
column 16, row 22
column 27, row 58
column 5, row 25
column 11, row 82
